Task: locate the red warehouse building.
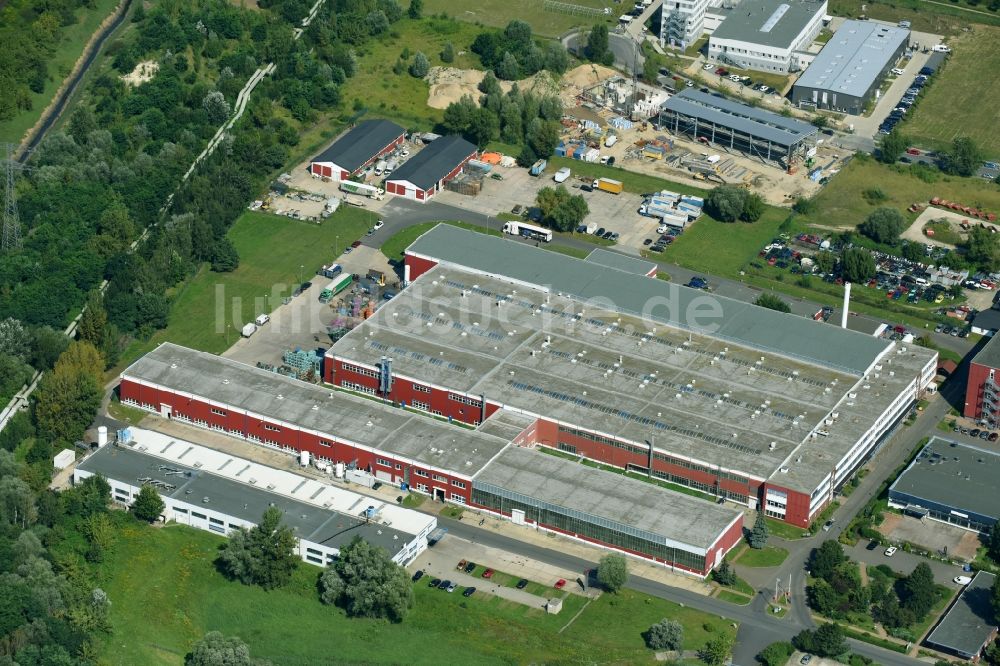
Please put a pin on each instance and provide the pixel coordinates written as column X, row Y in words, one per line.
column 430, row 456
column 359, row 147
column 982, row 395
column 424, row 174
column 762, row 408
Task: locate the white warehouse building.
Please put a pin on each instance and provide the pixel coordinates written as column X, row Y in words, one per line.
column 768, row 35
column 218, row 492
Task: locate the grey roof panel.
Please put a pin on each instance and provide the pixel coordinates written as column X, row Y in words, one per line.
column 774, row 23
column 989, row 355
column 939, row 474
column 620, row 261
column 243, row 501
column 757, row 122
column 361, row 143
column 854, row 58
column 970, row 622
column 742, row 323
column 434, row 162
column 609, row 496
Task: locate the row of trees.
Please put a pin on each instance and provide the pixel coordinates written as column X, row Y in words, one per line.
column 512, row 53
column 728, row 203
column 964, row 158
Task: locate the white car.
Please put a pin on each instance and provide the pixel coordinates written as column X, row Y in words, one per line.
column 379, row 224
column 890, row 551
column 962, row 580
column 897, row 71
column 734, row 78
column 707, row 66
column 662, row 229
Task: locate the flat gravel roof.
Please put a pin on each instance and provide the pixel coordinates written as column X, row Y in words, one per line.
column 675, row 518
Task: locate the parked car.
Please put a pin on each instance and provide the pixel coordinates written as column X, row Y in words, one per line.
column 521, row 584
column 890, row 551
column 418, row 574
column 872, row 545
column 470, row 567
column 379, row 225
column 560, row 584
column 962, row 580
column 488, row 574
column 827, row 525
column 444, row 585
column 600, row 231
column 434, row 582
column 993, row 437
column 468, row 592
column 697, row 283
column 806, row 658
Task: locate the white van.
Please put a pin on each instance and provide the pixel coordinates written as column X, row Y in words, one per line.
column 941, row 48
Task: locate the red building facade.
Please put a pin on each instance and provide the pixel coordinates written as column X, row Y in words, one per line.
column 334, row 171
column 981, row 397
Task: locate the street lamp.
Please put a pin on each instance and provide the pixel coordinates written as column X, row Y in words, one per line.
column 301, row 266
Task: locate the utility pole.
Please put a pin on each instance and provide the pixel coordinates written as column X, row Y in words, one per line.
column 11, row 221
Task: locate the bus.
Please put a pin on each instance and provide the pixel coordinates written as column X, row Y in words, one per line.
column 529, row 231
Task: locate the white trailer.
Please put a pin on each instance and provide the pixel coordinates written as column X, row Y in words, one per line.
column 528, row 231
column 362, row 189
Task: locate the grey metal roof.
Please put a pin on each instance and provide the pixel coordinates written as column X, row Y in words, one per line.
column 620, row 261
column 741, row 117
column 989, row 355
column 242, row 501
column 970, row 483
column 434, row 162
column 657, row 300
column 338, row 414
column 775, row 23
column 854, row 58
column 988, row 320
column 970, row 622
column 609, row 496
column 361, row 143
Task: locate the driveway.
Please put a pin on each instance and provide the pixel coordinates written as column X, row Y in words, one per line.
column 902, row 562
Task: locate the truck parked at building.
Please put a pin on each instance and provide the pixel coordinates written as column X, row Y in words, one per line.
column 528, row 231
column 609, row 185
column 363, row 189
column 538, row 167
column 335, row 287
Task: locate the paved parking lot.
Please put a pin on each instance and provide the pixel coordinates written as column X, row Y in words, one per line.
column 937, row 537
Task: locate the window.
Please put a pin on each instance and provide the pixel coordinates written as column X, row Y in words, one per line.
column 217, row 528
column 199, row 515
column 567, row 447
column 458, row 499
column 357, row 387
column 358, row 370
column 419, row 472
column 421, row 389
column 314, row 559
column 216, row 521
column 423, row 406
column 442, row 479
column 398, row 466
column 220, row 412
column 383, row 462
column 273, row 428
column 465, row 400
column 422, row 487
column 177, row 509
column 458, row 484
column 326, row 444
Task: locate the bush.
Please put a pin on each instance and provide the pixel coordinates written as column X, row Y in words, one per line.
column 883, row 225
column 776, row 654
column 666, row 634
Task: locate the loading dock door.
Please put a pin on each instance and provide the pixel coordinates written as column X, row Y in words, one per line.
column 165, row 410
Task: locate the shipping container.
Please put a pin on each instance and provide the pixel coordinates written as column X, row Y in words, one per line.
column 335, row 287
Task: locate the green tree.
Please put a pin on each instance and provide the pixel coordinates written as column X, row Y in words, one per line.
column 542, row 136
column 724, row 574
column 225, row 257
column 776, row 654
column 508, row 69
column 753, row 207
column 758, row 535
column 995, row 597
column 883, row 225
column 772, row 302
column 825, row 559
column 826, row 261
column 828, row 641
column 857, row 265
column 596, row 49
column 68, row 397
column 484, row 126
column 891, row 147
column 416, row 9
column 262, row 555
column 612, row 572
column 666, row 634
column 716, row 651
column 420, row 65
column 214, row 649
column 15, row 340
column 216, row 107
column 93, row 326
column 448, row 53
column 561, row 210
column 982, row 249
column 148, row 505
column 725, row 203
column 820, row 121
column 993, row 543
column 365, row 582
column 458, row 115
column 964, row 158
column 918, row 591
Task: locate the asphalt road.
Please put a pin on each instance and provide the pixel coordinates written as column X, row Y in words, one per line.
column 400, row 213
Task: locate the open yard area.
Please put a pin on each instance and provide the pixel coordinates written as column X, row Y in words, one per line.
column 962, row 99
column 166, row 593
column 939, row 18
column 401, row 97
column 769, row 556
column 208, row 310
column 722, row 248
column 498, row 13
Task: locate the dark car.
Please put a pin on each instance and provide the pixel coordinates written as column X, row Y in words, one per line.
column 607, row 235
column 872, row 545
column 444, row 585
column 356, row 243
column 648, row 241
column 905, row 160
column 434, row 582
column 470, row 567
column 993, row 436
column 587, row 188
column 657, row 248
column 418, row 575
column 600, row 231
column 974, row 432
column 468, row 592
column 523, row 583
column 581, row 229
column 697, row 283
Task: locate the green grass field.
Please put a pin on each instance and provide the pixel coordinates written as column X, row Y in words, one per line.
column 639, row 183
column 734, row 598
column 720, row 248
column 272, row 249
column 166, row 594
column 498, row 13
column 939, row 17
column 769, row 556
column 402, row 97
column 783, row 530
column 67, row 52
column 960, row 101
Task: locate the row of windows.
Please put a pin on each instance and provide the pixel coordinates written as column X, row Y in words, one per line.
column 583, row 528
column 358, row 370
column 420, row 388
column 357, row 387
column 416, row 404
column 465, row 400
column 419, row 472
column 458, row 484
column 220, row 412
column 601, row 439
column 268, row 426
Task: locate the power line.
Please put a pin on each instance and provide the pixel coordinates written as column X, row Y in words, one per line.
column 11, row 221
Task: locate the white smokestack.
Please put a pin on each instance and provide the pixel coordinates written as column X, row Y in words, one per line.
column 847, row 304
column 406, row 274
column 102, row 436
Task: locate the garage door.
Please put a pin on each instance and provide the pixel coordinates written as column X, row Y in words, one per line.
column 383, row 476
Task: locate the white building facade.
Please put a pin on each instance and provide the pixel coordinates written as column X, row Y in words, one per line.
column 682, row 22
column 769, row 37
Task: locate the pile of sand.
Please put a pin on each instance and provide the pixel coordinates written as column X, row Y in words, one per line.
column 144, row 71
column 449, row 84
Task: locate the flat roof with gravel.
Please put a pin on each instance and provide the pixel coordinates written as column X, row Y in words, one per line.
column 583, row 364
column 775, row 23
column 970, row 622
column 337, row 414
column 664, row 515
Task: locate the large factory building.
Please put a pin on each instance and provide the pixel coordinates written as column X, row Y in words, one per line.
column 763, row 408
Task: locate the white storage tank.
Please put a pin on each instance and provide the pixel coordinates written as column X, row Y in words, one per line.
column 102, row 436
column 304, row 458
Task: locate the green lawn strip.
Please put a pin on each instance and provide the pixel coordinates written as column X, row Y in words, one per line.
column 938, row 18
column 126, row 413
column 543, row 22
column 508, row 580
column 851, row 632
column 166, row 593
column 733, row 597
column 769, row 556
column 414, row 500
column 723, row 249
column 272, row 249
column 559, row 454
column 68, row 50
column 780, row 528
column 953, row 105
